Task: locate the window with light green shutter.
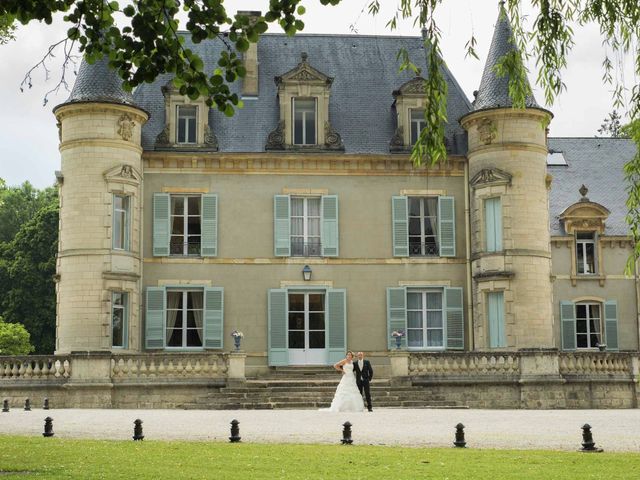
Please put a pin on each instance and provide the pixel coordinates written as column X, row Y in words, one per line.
column 213, row 317
column 330, row 226
column 277, row 335
column 495, row 312
column 611, row 324
column 493, row 224
column 396, row 316
column 209, row 247
column 447, row 226
column 161, row 229
column 568, row 325
column 155, row 317
column 454, row 303
column 400, row 226
column 282, row 226
column 336, row 321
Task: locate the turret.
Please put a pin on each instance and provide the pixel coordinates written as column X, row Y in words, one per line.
column 511, row 264
column 99, row 252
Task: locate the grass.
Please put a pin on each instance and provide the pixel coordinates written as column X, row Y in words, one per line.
column 56, row 458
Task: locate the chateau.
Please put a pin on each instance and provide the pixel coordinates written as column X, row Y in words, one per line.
column 302, row 223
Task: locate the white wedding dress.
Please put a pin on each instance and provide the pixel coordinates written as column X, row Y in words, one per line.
column 347, row 397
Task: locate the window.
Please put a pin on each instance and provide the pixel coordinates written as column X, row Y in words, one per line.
column 304, row 121
column 425, row 325
column 119, row 320
column 186, row 125
column 588, row 325
column 184, row 318
column 495, row 314
column 417, row 123
column 493, row 224
column 423, row 226
column 431, row 317
column 305, row 226
column 585, row 253
column 120, row 239
column 185, row 225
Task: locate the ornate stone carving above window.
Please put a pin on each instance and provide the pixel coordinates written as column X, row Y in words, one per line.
column 186, row 123
column 584, row 215
column 123, row 178
column 303, row 95
column 489, row 177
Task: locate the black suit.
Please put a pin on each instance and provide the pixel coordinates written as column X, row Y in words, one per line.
column 363, row 377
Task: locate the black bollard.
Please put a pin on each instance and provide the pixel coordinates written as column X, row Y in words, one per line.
column 588, row 445
column 459, row 442
column 346, row 434
column 137, row 430
column 27, row 405
column 5, row 405
column 235, row 431
column 45, row 405
column 48, row 427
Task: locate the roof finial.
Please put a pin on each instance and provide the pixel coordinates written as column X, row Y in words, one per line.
column 583, row 191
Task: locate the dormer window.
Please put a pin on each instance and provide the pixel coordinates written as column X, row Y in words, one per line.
column 303, row 96
column 186, row 123
column 417, row 123
column 586, row 253
column 304, row 121
column 187, row 116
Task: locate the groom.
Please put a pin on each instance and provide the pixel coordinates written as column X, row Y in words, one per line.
column 364, row 374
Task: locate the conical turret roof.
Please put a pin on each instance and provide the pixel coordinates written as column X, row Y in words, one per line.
column 494, row 90
column 98, row 83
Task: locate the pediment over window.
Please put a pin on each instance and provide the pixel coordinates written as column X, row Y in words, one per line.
column 304, row 72
column 585, row 215
column 488, row 177
column 123, row 174
column 415, row 86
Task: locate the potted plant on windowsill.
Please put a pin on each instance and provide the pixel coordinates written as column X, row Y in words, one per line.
column 398, row 334
column 601, row 346
column 237, row 338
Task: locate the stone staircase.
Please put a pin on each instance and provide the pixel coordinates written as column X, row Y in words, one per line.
column 311, row 388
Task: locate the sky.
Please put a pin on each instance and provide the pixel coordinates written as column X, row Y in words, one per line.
column 28, row 133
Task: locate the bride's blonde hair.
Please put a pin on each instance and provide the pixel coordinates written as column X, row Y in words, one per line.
column 350, row 352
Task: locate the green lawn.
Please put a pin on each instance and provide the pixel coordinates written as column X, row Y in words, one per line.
column 90, row 459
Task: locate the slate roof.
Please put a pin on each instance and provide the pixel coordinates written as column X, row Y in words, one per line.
column 98, row 83
column 365, row 69
column 597, row 163
column 494, row 90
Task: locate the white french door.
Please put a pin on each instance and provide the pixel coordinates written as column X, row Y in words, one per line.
column 307, row 329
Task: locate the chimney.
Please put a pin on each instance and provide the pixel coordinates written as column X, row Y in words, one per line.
column 250, row 57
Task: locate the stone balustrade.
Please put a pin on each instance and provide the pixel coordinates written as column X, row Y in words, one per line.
column 595, row 364
column 35, row 367
column 463, row 364
column 169, row 366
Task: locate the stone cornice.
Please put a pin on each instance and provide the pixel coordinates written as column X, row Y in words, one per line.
column 95, row 107
column 296, row 164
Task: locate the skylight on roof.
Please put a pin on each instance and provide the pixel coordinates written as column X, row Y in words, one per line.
column 556, row 158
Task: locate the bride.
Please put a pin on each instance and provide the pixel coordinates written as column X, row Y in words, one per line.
column 347, row 397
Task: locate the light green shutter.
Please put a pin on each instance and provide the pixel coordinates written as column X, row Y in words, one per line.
column 495, row 308
column 281, row 226
column 400, row 226
column 493, row 224
column 209, row 230
column 161, row 209
column 278, row 313
column 396, row 315
column 611, row 324
column 154, row 318
column 454, row 301
column 330, row 235
column 568, row 325
column 336, row 308
column 447, row 226
column 213, row 317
